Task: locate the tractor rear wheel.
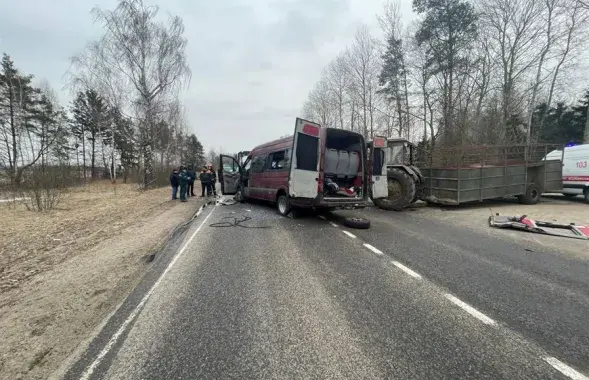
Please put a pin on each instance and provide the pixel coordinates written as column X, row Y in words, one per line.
column 402, row 190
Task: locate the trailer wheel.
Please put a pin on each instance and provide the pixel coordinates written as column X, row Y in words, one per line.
column 532, row 195
column 402, row 191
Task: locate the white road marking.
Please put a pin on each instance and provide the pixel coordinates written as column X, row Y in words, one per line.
column 470, row 310
column 565, row 369
column 409, row 271
column 113, row 340
column 322, row 217
column 349, row 234
column 373, row 249
column 200, row 210
column 333, row 224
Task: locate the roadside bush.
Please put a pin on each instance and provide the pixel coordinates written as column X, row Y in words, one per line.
column 43, row 188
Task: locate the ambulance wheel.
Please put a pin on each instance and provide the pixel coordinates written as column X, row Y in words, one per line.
column 357, row 223
column 532, row 195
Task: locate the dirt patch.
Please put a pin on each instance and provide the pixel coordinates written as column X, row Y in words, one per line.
column 551, row 208
column 63, row 271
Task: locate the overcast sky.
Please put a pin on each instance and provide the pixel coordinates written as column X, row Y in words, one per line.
column 253, row 61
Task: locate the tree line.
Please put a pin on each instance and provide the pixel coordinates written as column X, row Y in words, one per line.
column 126, row 117
column 89, row 135
column 491, row 71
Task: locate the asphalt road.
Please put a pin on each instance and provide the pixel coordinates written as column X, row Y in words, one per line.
column 302, row 299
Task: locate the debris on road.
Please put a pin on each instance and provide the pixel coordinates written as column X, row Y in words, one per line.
column 226, row 201
column 235, row 222
column 358, row 223
column 547, row 228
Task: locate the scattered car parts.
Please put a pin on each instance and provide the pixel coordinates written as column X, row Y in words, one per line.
column 547, row 228
column 358, row 223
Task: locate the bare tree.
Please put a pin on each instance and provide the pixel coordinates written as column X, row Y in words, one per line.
column 515, row 28
column 573, row 36
column 550, row 7
column 417, row 60
column 338, row 79
column 364, row 63
column 320, row 105
column 483, row 76
column 139, row 64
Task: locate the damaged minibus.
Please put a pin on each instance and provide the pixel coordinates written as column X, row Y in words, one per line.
column 316, row 167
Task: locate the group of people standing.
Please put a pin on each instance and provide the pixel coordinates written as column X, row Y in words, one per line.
column 182, row 180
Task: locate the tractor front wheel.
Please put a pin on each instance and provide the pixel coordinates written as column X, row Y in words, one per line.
column 402, row 190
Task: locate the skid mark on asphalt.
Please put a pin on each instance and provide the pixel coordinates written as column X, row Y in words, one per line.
column 560, row 366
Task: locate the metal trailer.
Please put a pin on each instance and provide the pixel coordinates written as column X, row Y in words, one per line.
column 475, row 173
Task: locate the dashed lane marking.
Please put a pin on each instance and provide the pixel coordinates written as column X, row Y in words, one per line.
column 409, row 271
column 349, row 234
column 470, row 310
column 373, row 249
column 565, row 369
column 333, row 224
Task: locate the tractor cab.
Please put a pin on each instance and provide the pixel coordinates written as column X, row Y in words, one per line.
column 400, row 152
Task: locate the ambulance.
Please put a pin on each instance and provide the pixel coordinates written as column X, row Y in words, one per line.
column 575, row 170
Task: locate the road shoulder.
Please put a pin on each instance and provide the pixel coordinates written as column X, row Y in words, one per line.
column 46, row 317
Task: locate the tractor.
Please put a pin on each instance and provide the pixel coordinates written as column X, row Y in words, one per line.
column 403, row 179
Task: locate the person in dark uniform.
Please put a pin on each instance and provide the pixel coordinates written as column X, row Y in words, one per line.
column 205, row 180
column 174, row 182
column 183, row 180
column 192, row 174
column 213, row 180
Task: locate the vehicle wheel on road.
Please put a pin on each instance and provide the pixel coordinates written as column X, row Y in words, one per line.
column 283, row 204
column 532, row 195
column 358, row 223
column 586, row 195
column 402, row 191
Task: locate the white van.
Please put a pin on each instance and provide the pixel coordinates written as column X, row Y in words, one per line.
column 575, row 171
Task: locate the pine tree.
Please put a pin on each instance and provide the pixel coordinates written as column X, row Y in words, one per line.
column 90, row 117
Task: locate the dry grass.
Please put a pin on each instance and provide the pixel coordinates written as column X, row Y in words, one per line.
column 31, row 242
column 63, row 271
